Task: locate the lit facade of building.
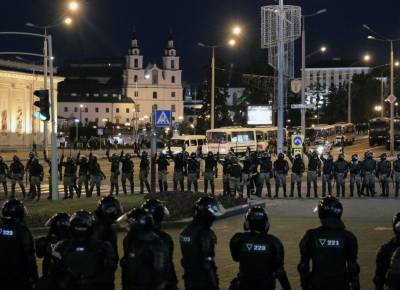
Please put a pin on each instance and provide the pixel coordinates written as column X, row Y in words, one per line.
column 18, row 127
column 153, row 86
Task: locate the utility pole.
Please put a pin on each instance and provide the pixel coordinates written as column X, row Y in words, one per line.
column 45, row 73
column 212, row 113
column 281, row 81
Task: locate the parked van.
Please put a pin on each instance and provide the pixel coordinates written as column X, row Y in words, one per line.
column 189, row 142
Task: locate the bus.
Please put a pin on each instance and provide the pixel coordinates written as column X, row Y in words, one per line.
column 345, row 133
column 378, row 131
column 267, row 136
column 223, row 139
column 320, row 134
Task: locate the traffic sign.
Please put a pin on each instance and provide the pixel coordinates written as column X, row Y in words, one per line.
column 296, row 85
column 391, row 99
column 163, row 118
column 302, row 106
column 297, row 141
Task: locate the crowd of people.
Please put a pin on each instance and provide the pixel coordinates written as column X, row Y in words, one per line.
column 80, row 252
column 240, row 175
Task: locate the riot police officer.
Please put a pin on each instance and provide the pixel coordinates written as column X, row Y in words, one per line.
column 158, row 211
column 82, row 262
column 18, row 269
column 235, row 177
column 127, row 169
column 96, row 175
column 355, row 175
column 59, row 171
column 17, row 171
column 341, row 169
column 4, row 173
column 395, row 174
column 179, row 169
column 144, row 263
column 197, row 242
column 298, row 169
column 193, row 169
column 265, row 174
column 107, row 212
column 144, row 168
column 210, row 171
column 69, row 176
column 58, row 226
column 313, row 172
column 331, row 249
column 259, row 254
column 163, row 164
column 35, row 178
column 83, row 173
column 384, row 275
column 281, row 168
column 114, row 176
column 31, row 156
column 327, row 174
column 383, row 172
column 226, row 167
column 369, row 168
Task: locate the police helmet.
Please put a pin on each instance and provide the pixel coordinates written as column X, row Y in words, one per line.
column 370, row 155
column 144, row 154
column 193, row 155
column 138, row 219
column 234, row 159
column 81, row 224
column 109, row 208
column 94, row 158
column 15, row 158
column 59, row 223
column 330, row 207
column 314, row 154
column 396, row 223
column 210, row 153
column 256, row 219
column 297, row 155
column 157, row 209
column 83, row 158
column 341, row 156
column 207, row 208
column 14, row 209
column 128, row 156
column 281, row 155
column 383, row 156
column 354, row 157
column 330, row 157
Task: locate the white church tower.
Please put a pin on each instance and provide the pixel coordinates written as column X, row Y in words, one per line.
column 153, row 86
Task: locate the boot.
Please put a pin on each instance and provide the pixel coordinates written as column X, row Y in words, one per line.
column 291, row 189
column 315, row 190
column 308, row 189
column 269, row 189
column 299, row 190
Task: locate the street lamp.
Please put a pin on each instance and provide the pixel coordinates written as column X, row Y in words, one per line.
column 365, row 58
column 391, row 98
column 303, row 66
column 73, row 5
column 68, row 20
column 237, row 30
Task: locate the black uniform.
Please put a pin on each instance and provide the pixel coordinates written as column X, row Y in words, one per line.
column 314, row 171
column 265, row 175
column 163, row 164
column 298, row 169
column 383, row 172
column 226, row 166
column 197, row 244
column 96, row 175
column 69, row 177
column 18, row 269
column 341, row 169
column 4, row 173
column 144, row 168
column 261, row 258
column 332, row 252
column 127, row 173
column 193, row 170
column 281, row 168
column 210, row 172
column 369, row 168
column 179, row 170
column 83, row 175
column 114, row 160
column 327, row 175
column 356, row 172
column 36, row 177
column 17, row 171
column 249, row 169
column 396, row 175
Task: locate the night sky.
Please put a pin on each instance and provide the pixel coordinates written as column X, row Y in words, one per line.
column 103, row 28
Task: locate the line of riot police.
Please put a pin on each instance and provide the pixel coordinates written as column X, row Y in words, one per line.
column 80, row 252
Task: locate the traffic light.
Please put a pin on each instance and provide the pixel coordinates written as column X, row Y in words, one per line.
column 43, row 104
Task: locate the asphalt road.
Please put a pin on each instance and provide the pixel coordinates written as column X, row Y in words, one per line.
column 369, row 219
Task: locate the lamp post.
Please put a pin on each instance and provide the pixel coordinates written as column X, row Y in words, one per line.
column 236, row 31
column 391, row 99
column 303, row 66
column 366, row 58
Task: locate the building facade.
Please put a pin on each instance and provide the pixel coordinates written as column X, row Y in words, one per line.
column 18, row 126
column 151, row 86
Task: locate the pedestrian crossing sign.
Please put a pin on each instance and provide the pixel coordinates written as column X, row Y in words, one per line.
column 297, row 141
column 163, row 118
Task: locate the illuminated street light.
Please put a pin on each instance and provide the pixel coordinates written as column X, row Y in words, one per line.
column 323, row 49
column 397, row 63
column 237, row 30
column 232, row 42
column 73, row 5
column 68, row 20
column 147, row 76
column 367, row 57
